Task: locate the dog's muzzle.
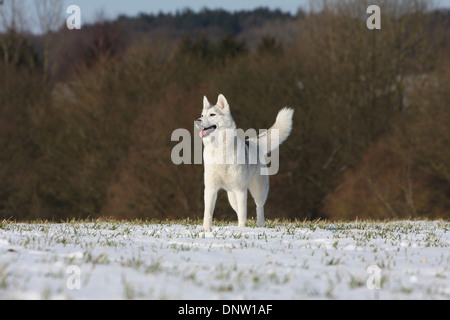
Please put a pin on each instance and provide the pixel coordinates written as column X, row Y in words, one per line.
column 204, row 132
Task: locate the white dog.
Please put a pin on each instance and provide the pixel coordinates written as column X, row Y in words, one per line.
column 228, row 159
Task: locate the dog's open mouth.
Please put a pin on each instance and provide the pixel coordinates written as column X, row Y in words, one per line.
column 205, row 132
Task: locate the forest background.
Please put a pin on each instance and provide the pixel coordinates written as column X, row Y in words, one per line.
column 86, row 116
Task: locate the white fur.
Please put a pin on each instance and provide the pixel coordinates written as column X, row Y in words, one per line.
column 234, row 177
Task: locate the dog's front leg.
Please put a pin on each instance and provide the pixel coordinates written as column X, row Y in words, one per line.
column 241, row 201
column 210, row 201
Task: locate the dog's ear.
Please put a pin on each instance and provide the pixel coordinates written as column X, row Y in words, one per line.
column 206, row 103
column 222, row 103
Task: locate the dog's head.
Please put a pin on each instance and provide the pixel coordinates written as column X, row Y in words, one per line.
column 214, row 117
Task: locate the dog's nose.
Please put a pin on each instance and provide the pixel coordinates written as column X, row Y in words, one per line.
column 198, row 120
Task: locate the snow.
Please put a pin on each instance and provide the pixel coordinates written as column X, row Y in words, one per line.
column 303, row 260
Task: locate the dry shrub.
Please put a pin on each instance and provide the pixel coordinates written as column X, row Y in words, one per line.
column 388, row 184
column 146, row 183
column 406, row 173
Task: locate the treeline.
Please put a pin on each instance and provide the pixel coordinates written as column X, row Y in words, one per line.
column 188, row 21
column 89, row 133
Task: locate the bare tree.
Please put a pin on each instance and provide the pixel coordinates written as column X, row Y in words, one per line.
column 13, row 16
column 13, row 20
column 50, row 14
column 50, row 18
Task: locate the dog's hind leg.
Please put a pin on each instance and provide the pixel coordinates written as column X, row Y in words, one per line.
column 259, row 188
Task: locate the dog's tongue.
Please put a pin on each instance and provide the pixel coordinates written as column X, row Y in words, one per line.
column 204, row 131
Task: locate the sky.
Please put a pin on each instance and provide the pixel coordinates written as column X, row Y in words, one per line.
column 112, row 8
column 91, row 10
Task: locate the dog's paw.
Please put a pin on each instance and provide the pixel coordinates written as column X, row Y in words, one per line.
column 260, row 223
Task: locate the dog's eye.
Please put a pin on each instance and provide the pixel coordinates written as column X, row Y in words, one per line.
column 212, row 115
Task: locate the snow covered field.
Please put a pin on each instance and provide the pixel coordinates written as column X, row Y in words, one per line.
column 303, row 260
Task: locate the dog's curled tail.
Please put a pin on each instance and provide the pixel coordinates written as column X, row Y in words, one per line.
column 283, row 124
column 278, row 133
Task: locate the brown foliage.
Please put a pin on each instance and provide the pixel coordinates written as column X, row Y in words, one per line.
column 407, row 172
column 370, row 135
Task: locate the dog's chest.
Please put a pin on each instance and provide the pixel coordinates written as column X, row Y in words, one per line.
column 225, row 163
column 226, row 176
